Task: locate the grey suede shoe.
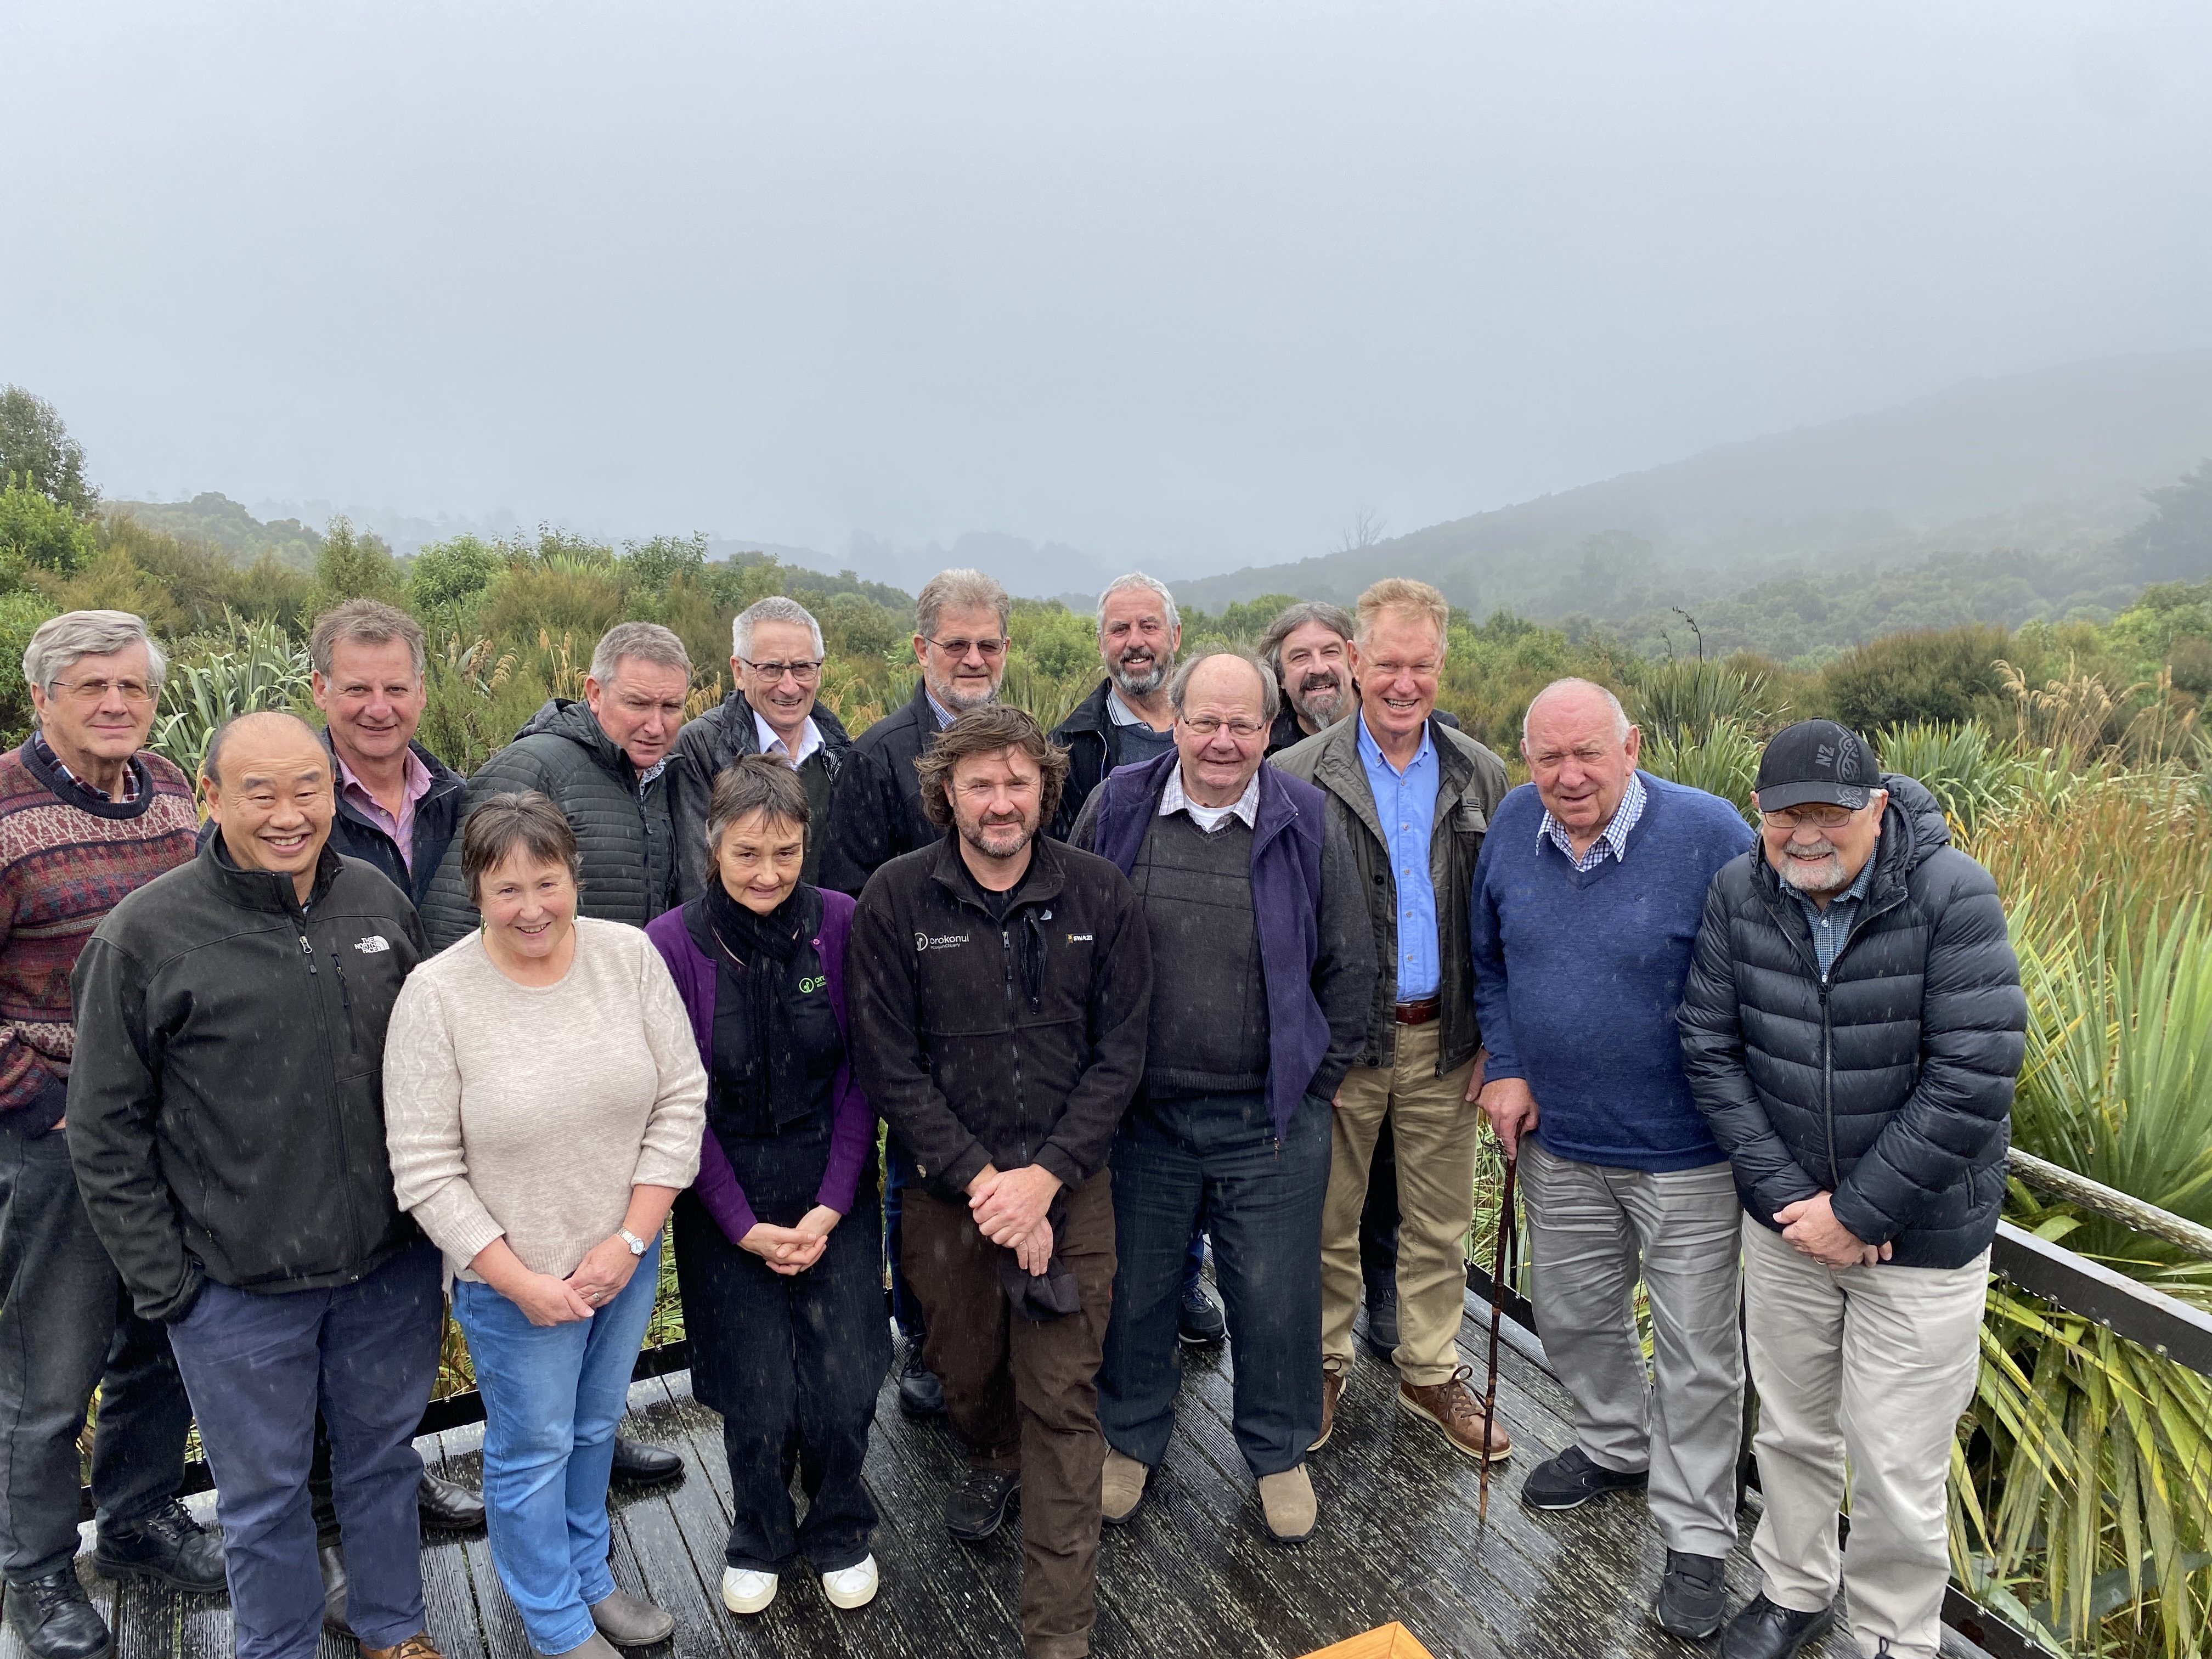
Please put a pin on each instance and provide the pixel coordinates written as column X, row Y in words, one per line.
column 629, row 1623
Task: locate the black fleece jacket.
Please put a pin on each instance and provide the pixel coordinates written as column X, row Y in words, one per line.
column 226, row 1105
column 1891, row 1085
column 1003, row 1042
column 875, row 805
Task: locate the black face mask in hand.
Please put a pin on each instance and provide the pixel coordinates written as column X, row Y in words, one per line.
column 1050, row 1295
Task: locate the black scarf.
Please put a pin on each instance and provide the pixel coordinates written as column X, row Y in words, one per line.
column 763, row 949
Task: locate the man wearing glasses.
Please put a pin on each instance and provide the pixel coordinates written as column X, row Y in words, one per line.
column 876, row 814
column 775, row 665
column 1263, row 970
column 1852, row 1027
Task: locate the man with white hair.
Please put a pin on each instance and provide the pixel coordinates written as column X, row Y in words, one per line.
column 1586, row 905
column 1126, row 718
column 88, row 815
column 776, row 670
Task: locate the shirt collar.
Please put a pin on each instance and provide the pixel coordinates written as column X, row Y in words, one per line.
column 1616, row 831
column 415, row 775
column 1371, row 755
column 810, row 739
column 45, row 753
column 943, row 714
column 1245, row 806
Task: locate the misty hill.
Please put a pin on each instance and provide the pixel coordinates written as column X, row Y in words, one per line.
column 2034, row 477
column 218, row 522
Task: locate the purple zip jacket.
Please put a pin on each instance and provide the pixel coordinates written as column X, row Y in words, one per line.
column 853, row 1133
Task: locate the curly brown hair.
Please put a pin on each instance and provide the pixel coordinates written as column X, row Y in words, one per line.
column 991, row 730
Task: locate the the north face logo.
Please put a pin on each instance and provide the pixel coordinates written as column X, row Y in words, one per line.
column 374, row 944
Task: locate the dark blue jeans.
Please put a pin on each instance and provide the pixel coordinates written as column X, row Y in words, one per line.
column 1378, row 1226
column 898, row 1175
column 255, row 1366
column 1217, row 1155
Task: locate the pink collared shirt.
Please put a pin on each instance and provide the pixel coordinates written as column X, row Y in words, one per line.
column 402, row 829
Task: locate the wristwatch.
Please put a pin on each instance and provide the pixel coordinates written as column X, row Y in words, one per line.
column 637, row 1246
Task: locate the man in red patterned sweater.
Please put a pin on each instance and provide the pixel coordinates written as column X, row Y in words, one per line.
column 87, row 815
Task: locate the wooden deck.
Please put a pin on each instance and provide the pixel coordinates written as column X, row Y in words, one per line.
column 1193, row 1574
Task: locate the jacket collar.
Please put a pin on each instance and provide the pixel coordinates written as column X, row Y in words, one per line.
column 1277, row 810
column 1091, row 715
column 1337, row 768
column 268, row 891
column 1047, row 871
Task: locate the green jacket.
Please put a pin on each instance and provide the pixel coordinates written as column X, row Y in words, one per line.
column 1470, row 782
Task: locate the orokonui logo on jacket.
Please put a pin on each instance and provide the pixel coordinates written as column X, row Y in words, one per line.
column 938, row 941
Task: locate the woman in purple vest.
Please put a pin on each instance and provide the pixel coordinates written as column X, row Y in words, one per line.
column 779, row 1246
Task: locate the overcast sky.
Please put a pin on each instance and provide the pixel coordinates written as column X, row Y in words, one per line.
column 1183, row 284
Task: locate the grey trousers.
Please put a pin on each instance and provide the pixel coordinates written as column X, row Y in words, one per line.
column 1871, row 1365
column 65, row 1327
column 1592, row 1232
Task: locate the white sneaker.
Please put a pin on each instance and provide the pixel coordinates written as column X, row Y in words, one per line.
column 745, row 1591
column 853, row 1587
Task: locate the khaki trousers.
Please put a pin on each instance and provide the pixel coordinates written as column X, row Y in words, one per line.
column 1437, row 1129
column 1871, row 1365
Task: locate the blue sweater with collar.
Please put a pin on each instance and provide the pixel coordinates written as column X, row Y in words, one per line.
column 1578, row 977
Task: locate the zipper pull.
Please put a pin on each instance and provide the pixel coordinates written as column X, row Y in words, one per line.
column 307, row 950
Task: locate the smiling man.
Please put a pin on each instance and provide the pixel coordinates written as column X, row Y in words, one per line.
column 1852, row 1026
column 1126, row 718
column 604, row 762
column 1587, row 898
column 226, row 1120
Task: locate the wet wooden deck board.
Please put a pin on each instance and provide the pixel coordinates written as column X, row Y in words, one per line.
column 1194, row 1574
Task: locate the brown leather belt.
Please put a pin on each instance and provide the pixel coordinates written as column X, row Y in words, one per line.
column 1418, row 1013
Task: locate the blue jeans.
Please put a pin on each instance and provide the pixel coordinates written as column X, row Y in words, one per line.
column 1217, row 1155
column 552, row 1395
column 256, row 1365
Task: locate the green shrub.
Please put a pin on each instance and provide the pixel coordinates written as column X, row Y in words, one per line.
column 1926, row 675
column 1964, row 768
column 20, row 616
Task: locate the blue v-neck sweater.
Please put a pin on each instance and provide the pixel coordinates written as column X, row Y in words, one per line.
column 1578, row 976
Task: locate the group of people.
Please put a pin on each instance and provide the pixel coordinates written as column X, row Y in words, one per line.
column 1243, row 960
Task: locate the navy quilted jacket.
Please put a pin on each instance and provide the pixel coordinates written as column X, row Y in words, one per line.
column 1891, row 1085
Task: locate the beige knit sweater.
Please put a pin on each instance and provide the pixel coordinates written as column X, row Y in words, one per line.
column 533, row 1112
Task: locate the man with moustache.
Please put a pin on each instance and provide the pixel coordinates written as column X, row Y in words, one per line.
column 226, row 1120
column 1001, row 982
column 1852, row 1027
column 876, row 813
column 1126, row 718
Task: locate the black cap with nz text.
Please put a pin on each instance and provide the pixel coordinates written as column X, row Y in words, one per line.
column 1815, row 761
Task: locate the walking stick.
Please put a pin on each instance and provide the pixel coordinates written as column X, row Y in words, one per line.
column 1497, row 1313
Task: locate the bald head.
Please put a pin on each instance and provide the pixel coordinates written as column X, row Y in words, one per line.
column 268, row 782
column 1581, row 750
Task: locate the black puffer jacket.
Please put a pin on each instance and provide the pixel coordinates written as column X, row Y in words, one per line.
column 627, row 841
column 703, row 749
column 1891, row 1085
column 875, row 805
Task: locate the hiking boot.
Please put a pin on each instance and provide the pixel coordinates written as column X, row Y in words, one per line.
column 1571, row 1479
column 1693, row 1596
column 1288, row 1505
column 1765, row 1631
column 1451, row 1406
column 977, row 1506
column 1199, row 1319
column 1120, row 1487
column 57, row 1620
column 1332, row 1391
column 920, row 1394
column 167, row 1546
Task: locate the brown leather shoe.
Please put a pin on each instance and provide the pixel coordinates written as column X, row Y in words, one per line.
column 1451, row 1406
column 1332, row 1391
column 418, row 1646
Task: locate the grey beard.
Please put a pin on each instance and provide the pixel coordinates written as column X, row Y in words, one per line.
column 961, row 702
column 1321, row 707
column 1143, row 685
column 1826, row 877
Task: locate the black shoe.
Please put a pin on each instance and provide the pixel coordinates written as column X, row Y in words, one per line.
column 57, row 1620
column 448, row 1506
column 1763, row 1631
column 1693, row 1596
column 1382, row 1318
column 1199, row 1321
column 1570, row 1479
column 978, row 1507
column 168, row 1546
column 330, row 1559
column 920, row 1394
column 638, row 1465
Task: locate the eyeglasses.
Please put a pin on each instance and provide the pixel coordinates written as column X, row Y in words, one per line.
column 805, row 671
column 1203, row 727
column 1821, row 817
column 958, row 649
column 95, row 691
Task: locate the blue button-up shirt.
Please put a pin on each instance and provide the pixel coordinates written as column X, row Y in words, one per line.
column 1832, row 926
column 1405, row 805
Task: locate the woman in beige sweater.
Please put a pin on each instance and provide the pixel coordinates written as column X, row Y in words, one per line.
column 544, row 1104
